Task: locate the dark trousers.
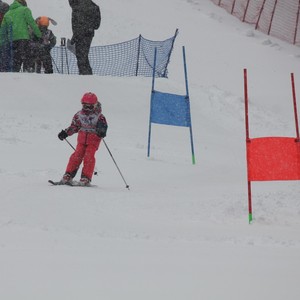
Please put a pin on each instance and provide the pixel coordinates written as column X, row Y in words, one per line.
column 39, row 57
column 44, row 59
column 5, row 58
column 82, row 47
column 21, row 55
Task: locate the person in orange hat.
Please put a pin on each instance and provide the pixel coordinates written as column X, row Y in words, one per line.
column 41, row 48
column 91, row 126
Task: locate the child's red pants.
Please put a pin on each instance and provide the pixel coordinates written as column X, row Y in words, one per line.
column 84, row 153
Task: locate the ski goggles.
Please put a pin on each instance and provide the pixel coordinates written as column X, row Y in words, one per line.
column 88, row 106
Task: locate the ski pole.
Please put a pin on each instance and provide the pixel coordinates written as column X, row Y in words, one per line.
column 54, row 63
column 127, row 186
column 70, row 144
column 95, row 172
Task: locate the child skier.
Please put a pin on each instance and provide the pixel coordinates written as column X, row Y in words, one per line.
column 91, row 126
column 40, row 49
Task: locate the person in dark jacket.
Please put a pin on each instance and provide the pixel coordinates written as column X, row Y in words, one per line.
column 4, row 7
column 86, row 18
column 4, row 48
column 19, row 20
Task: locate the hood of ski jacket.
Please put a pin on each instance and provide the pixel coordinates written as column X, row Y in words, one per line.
column 4, row 7
column 20, row 19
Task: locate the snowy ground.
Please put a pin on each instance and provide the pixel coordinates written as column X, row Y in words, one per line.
column 181, row 231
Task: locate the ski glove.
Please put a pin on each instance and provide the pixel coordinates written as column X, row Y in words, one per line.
column 101, row 129
column 62, row 135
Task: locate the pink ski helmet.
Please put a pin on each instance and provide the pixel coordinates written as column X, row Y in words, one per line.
column 89, row 98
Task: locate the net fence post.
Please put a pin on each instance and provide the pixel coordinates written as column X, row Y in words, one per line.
column 62, row 45
column 272, row 16
column 296, row 25
column 138, row 55
column 246, row 10
column 232, row 8
column 169, row 56
column 260, row 13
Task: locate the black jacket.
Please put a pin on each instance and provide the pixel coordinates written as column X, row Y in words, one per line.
column 4, row 7
column 86, row 18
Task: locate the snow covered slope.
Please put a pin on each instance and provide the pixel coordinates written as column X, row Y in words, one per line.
column 181, row 232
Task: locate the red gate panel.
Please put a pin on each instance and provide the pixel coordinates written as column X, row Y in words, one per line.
column 273, row 158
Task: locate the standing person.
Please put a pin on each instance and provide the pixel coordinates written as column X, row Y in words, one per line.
column 40, row 48
column 4, row 48
column 19, row 19
column 4, row 7
column 86, row 18
column 91, row 126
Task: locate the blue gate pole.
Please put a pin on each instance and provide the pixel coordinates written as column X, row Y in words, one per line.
column 152, row 92
column 188, row 99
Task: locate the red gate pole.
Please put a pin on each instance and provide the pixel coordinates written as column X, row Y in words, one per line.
column 247, row 141
column 295, row 107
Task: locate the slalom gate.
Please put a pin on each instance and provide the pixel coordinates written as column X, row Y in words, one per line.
column 271, row 158
column 170, row 109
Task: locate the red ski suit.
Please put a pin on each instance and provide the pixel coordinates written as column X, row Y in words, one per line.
column 87, row 124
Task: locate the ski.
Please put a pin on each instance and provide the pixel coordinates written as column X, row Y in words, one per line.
column 73, row 183
column 58, row 183
column 78, row 183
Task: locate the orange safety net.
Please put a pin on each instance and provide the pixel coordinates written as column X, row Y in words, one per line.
column 273, row 158
column 278, row 18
